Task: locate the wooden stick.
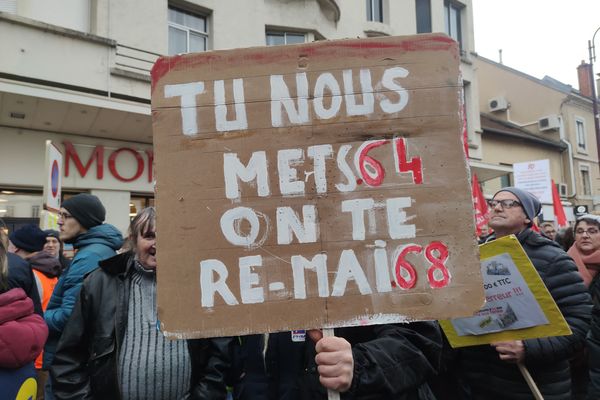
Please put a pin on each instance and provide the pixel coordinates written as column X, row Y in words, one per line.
column 331, row 394
column 534, row 389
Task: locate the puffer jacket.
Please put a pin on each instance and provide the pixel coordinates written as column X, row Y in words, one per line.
column 86, row 361
column 547, row 359
column 392, row 361
column 22, row 332
column 98, row 243
column 593, row 342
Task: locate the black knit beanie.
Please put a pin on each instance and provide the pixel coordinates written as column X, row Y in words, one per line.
column 52, row 233
column 86, row 208
column 29, row 238
column 531, row 204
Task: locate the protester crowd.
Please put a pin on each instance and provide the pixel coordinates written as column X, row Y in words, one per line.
column 87, row 328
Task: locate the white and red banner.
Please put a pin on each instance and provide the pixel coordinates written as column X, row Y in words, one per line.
column 534, row 177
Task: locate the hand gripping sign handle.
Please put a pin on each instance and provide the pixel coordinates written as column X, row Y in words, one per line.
column 331, row 394
column 534, row 389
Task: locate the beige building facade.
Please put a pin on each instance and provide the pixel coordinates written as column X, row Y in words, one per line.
column 78, row 74
column 526, row 119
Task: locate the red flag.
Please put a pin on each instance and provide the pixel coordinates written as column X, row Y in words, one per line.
column 480, row 205
column 465, row 135
column 559, row 211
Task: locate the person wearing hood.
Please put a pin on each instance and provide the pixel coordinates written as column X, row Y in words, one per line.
column 55, row 247
column 81, row 224
column 491, row 371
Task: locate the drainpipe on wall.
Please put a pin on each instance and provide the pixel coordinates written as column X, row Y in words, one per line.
column 561, row 131
column 520, row 125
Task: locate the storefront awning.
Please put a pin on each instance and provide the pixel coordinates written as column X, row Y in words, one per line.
column 42, row 108
column 486, row 171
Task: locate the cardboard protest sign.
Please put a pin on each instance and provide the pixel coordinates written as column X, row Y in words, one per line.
column 314, row 185
column 518, row 304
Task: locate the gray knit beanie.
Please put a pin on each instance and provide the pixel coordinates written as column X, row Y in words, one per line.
column 531, row 204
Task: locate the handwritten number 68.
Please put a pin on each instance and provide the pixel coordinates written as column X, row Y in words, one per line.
column 436, row 254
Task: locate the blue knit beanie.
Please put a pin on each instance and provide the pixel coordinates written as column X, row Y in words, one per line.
column 52, row 233
column 29, row 238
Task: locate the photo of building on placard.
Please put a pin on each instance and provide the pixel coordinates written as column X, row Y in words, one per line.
column 510, row 304
column 495, row 268
column 507, row 318
column 503, row 317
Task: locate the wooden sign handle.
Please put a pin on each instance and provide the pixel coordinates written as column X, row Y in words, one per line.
column 534, row 389
column 331, row 394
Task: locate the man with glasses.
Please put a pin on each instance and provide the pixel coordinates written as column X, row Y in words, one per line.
column 81, row 224
column 491, row 372
column 547, row 229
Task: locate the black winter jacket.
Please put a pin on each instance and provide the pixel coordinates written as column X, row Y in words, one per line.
column 21, row 276
column 547, row 359
column 593, row 342
column 391, row 362
column 85, row 364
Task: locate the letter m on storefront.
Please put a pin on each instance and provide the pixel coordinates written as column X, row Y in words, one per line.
column 133, row 171
column 71, row 154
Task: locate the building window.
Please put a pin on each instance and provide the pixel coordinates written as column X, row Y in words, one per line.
column 187, row 32
column 9, row 211
column 580, row 131
column 19, row 207
column 375, row 10
column 585, row 179
column 423, row 8
column 8, row 6
column 138, row 203
column 277, row 38
column 452, row 20
column 505, row 180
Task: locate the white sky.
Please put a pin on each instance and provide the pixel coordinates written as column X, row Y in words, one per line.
column 538, row 37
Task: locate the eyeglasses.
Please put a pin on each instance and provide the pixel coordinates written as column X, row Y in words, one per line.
column 64, row 216
column 589, row 231
column 507, row 203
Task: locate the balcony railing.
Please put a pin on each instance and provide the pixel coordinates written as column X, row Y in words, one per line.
column 134, row 60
